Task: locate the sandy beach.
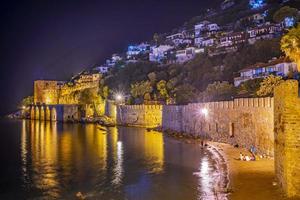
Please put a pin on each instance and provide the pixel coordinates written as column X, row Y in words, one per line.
column 249, row 180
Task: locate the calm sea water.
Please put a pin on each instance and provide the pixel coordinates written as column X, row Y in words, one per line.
column 44, row 160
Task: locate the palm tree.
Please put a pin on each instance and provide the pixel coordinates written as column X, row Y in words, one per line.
column 290, row 45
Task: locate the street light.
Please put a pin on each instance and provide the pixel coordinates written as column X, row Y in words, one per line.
column 204, row 111
column 119, row 97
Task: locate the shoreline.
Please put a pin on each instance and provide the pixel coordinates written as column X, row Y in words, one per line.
column 237, row 179
column 246, row 180
column 222, row 188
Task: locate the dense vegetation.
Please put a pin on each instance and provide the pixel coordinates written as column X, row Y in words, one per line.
column 204, row 78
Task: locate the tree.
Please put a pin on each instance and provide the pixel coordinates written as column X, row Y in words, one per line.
column 139, row 89
column 218, row 91
column 147, row 97
column 290, row 45
column 152, row 77
column 27, row 101
column 89, row 96
column 250, row 87
column 105, row 92
column 162, row 89
column 284, row 12
column 268, row 84
column 185, row 93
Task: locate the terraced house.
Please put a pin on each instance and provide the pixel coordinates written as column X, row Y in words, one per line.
column 280, row 67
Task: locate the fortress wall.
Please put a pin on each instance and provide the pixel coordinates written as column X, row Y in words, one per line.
column 139, row 115
column 245, row 122
column 287, row 137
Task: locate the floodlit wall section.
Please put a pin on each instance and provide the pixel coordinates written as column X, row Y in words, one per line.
column 245, row 122
column 139, row 115
column 287, row 137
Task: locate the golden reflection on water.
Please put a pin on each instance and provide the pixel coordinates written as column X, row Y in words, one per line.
column 24, row 152
column 96, row 145
column 117, row 154
column 44, row 157
column 58, row 160
column 154, row 150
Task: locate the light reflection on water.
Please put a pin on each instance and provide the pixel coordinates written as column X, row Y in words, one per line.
column 59, row 160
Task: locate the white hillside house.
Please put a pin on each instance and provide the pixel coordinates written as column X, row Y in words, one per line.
column 279, row 67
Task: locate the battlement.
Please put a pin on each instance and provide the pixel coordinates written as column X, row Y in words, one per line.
column 266, row 102
column 141, row 107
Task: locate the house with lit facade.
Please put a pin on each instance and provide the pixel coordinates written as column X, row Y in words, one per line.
column 111, row 62
column 279, row 67
column 102, row 69
column 187, row 54
column 266, row 31
column 178, row 39
column 205, row 32
column 232, row 39
column 257, row 18
column 202, row 42
column 134, row 50
column 158, row 53
column 289, row 22
column 256, row 4
column 205, row 28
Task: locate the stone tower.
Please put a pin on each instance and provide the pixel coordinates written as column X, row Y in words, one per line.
column 287, row 137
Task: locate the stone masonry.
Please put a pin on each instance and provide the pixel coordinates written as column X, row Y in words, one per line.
column 287, row 137
column 139, row 115
column 245, row 122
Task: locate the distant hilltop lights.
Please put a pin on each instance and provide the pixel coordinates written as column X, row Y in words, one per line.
column 257, row 4
column 289, row 21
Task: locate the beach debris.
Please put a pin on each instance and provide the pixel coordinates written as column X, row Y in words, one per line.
column 80, row 196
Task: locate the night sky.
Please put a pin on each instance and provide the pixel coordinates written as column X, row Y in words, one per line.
column 50, row 39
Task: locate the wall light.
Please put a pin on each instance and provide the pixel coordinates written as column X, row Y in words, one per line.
column 204, row 111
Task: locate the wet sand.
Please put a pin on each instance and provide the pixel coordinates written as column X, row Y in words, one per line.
column 249, row 180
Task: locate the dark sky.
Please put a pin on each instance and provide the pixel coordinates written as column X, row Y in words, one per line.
column 52, row 39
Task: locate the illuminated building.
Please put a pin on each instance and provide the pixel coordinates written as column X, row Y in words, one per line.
column 256, row 4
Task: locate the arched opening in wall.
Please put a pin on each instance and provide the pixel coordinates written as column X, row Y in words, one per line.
column 53, row 114
column 32, row 113
column 47, row 114
column 231, row 129
column 217, row 127
column 42, row 113
column 209, row 127
column 37, row 113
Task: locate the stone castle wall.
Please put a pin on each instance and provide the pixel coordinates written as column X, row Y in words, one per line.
column 70, row 94
column 139, row 115
column 46, row 92
column 110, row 109
column 61, row 113
column 287, row 137
column 54, row 92
column 246, row 122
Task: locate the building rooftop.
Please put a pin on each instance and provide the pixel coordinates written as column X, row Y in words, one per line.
column 270, row 63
